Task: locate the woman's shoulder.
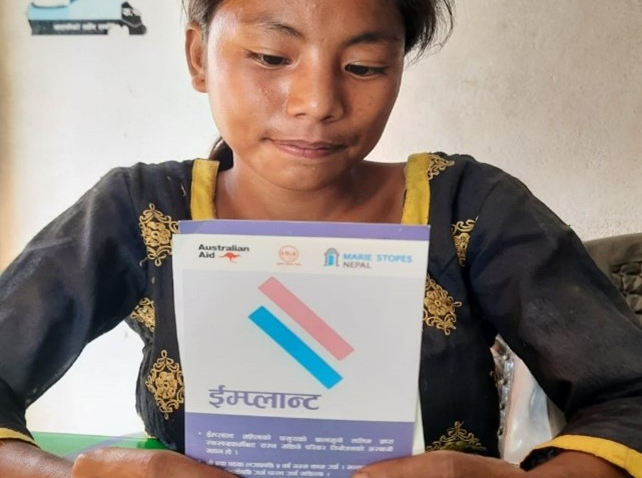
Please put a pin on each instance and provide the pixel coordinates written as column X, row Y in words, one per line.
column 145, row 172
column 148, row 176
column 440, row 164
column 163, row 186
column 463, row 189
column 460, row 165
column 463, row 176
column 454, row 180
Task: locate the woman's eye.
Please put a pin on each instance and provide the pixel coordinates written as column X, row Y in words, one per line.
column 269, row 60
column 363, row 70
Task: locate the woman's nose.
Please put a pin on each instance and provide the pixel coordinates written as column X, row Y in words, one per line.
column 315, row 92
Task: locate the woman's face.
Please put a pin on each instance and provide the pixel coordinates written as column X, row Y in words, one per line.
column 300, row 89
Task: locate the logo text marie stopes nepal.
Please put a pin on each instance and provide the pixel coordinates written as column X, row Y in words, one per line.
column 362, row 260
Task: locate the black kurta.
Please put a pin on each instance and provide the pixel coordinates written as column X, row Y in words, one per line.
column 500, row 262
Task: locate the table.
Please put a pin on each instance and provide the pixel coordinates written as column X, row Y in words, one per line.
column 69, row 446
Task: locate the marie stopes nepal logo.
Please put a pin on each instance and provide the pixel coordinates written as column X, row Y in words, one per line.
column 84, row 17
column 363, row 260
column 332, row 258
column 353, row 260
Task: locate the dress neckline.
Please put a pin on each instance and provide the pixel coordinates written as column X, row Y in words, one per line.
column 416, row 205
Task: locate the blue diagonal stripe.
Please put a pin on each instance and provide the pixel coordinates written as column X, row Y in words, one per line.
column 293, row 345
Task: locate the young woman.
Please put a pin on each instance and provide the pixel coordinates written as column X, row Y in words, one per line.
column 301, row 91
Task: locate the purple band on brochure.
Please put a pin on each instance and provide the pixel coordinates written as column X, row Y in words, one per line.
column 307, row 229
column 293, row 447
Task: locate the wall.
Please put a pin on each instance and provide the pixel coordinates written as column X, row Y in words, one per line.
column 548, row 90
column 72, row 108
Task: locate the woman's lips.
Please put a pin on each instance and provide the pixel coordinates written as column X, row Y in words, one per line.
column 307, row 149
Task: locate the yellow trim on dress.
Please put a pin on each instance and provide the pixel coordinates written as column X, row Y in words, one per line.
column 203, row 186
column 615, row 453
column 416, row 208
column 9, row 434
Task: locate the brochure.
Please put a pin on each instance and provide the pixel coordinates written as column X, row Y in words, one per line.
column 299, row 343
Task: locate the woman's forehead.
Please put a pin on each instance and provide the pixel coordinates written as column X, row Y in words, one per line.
column 380, row 14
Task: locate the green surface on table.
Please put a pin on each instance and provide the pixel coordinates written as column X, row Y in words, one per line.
column 70, row 445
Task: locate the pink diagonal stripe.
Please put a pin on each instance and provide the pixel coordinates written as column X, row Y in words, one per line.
column 306, row 318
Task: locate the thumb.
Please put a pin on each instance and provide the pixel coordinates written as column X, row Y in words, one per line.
column 132, row 463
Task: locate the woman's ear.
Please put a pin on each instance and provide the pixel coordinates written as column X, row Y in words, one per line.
column 195, row 53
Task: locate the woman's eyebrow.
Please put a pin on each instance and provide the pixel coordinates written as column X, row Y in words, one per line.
column 270, row 23
column 373, row 37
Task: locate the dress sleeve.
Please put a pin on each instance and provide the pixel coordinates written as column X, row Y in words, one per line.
column 75, row 280
column 533, row 280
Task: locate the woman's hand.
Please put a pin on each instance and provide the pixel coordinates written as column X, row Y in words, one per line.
column 452, row 464
column 442, row 464
column 130, row 463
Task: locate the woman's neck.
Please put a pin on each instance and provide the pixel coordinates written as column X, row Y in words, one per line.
column 372, row 192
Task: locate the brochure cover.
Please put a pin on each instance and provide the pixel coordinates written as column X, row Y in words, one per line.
column 299, row 343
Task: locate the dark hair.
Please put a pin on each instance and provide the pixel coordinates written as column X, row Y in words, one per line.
column 424, row 21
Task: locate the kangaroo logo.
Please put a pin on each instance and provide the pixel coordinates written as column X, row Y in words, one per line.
column 231, row 256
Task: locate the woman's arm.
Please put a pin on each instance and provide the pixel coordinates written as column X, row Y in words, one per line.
column 129, row 463
column 533, row 281
column 572, row 464
column 450, row 464
column 22, row 460
column 78, row 278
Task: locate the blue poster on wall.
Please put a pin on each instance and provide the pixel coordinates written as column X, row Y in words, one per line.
column 85, row 17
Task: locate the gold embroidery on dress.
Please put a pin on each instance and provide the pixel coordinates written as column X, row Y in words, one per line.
column 439, row 308
column 457, row 439
column 165, row 382
column 145, row 313
column 437, row 165
column 157, row 229
column 461, row 235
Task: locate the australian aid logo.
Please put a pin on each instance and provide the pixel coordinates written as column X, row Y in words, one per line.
column 231, row 253
column 301, row 348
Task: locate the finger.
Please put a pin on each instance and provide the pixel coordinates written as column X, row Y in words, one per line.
column 132, row 463
column 111, row 463
column 441, row 464
column 426, row 465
